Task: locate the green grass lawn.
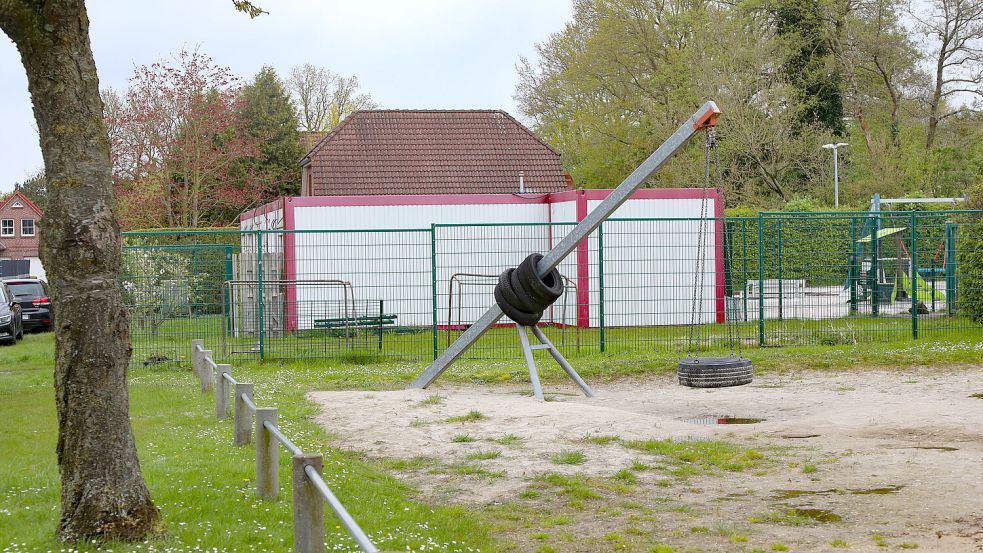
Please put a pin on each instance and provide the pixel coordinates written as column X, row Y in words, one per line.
column 205, row 486
column 413, row 347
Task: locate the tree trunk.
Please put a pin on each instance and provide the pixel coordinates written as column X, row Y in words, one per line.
column 933, row 105
column 103, row 494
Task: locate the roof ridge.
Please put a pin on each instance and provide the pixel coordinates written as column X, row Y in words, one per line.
column 24, row 197
column 431, row 110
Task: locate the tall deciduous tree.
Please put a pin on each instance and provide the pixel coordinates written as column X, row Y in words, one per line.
column 954, row 29
column 178, row 139
column 268, row 116
column 103, row 495
column 625, row 73
column 805, row 29
column 324, row 99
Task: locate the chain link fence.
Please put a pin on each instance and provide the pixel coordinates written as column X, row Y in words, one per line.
column 635, row 284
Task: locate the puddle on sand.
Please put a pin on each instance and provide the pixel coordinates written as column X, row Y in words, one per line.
column 722, row 419
column 877, row 491
column 792, row 494
column 936, row 447
column 978, row 396
column 735, row 496
column 818, row 515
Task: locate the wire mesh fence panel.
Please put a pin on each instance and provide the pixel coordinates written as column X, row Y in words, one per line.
column 172, row 284
column 633, row 285
column 948, row 289
column 353, row 293
column 469, row 260
column 667, row 284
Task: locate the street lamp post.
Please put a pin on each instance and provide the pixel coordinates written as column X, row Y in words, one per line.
column 836, row 170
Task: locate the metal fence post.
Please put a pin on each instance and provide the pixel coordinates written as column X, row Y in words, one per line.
column 206, row 371
column 267, row 455
column 260, row 296
column 308, row 506
column 761, row 279
column 433, row 284
column 781, row 292
column 744, row 260
column 875, row 253
column 914, row 276
column 951, row 288
column 222, row 391
column 242, row 420
column 600, row 282
column 855, row 266
column 196, row 357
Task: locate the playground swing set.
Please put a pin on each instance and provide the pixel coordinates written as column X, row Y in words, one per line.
column 883, row 280
column 526, row 291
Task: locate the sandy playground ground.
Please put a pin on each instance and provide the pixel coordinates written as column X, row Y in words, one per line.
column 858, row 461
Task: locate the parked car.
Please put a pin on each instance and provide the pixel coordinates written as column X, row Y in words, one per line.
column 11, row 323
column 35, row 302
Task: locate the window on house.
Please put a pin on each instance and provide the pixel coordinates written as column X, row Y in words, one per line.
column 6, row 227
column 27, row 227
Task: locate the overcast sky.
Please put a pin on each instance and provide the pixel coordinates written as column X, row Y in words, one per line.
column 406, row 53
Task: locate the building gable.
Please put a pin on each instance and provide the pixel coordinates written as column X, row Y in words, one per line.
column 384, row 152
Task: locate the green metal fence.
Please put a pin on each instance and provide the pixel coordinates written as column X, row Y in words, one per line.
column 634, row 284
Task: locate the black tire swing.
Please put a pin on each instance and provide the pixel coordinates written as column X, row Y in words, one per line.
column 711, row 372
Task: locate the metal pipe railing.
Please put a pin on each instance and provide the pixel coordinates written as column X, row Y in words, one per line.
column 309, row 489
column 339, row 510
column 290, row 446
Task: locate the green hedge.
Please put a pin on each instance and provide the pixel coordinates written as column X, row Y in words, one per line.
column 817, row 248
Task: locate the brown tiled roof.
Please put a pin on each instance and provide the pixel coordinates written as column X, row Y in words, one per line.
column 432, row 152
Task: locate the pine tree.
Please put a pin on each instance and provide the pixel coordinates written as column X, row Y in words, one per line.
column 269, row 115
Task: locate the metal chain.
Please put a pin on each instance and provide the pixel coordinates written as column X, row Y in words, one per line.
column 696, row 310
column 733, row 332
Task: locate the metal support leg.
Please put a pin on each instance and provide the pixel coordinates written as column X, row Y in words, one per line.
column 537, row 390
column 562, row 361
column 705, row 117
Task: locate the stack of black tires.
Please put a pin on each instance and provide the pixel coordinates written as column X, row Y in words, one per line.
column 523, row 295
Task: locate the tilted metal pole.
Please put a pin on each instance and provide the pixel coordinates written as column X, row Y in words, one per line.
column 705, row 117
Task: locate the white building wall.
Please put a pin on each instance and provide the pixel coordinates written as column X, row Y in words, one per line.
column 396, row 267
column 649, row 267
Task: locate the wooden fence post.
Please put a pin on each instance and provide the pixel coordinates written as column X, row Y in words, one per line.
column 308, row 506
column 267, row 455
column 222, row 391
column 242, row 421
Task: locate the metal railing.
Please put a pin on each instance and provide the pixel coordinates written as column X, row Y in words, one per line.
column 310, row 491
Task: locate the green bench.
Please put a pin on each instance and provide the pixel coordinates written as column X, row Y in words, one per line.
column 337, row 326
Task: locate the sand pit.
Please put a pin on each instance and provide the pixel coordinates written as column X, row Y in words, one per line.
column 913, row 440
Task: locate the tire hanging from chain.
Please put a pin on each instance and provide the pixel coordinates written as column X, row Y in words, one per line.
column 712, row 372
